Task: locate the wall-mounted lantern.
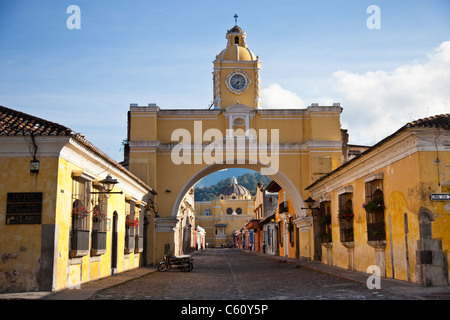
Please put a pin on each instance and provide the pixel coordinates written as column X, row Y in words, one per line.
column 310, row 202
column 108, row 184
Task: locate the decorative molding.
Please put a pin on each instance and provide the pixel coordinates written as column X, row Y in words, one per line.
column 372, row 177
column 250, row 145
column 83, row 175
column 347, row 189
column 304, row 224
column 165, row 224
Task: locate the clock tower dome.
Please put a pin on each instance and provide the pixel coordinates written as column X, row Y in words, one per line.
column 236, row 73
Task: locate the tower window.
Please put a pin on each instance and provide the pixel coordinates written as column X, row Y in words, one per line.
column 236, row 40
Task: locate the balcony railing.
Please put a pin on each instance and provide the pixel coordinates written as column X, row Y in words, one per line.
column 129, row 241
column 98, row 243
column 283, row 207
column 376, row 231
column 79, row 243
column 139, row 244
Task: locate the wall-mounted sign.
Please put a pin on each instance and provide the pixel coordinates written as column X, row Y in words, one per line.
column 24, row 208
column 440, row 196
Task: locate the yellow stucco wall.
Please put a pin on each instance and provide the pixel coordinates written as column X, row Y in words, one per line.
column 21, row 253
column 88, row 268
column 407, row 185
column 20, row 245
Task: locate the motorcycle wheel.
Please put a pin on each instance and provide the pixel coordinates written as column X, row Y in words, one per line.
column 186, row 267
column 163, row 267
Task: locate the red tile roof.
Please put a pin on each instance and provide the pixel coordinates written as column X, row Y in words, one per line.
column 438, row 121
column 16, row 123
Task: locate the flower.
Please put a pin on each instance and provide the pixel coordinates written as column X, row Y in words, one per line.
column 346, row 214
column 375, row 205
column 79, row 209
column 98, row 214
column 131, row 222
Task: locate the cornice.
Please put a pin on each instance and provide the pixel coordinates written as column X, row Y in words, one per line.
column 309, row 146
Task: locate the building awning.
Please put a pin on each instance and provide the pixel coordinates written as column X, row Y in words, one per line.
column 267, row 219
column 273, row 187
column 252, row 224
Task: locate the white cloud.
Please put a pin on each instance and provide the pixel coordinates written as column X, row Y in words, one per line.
column 275, row 97
column 378, row 103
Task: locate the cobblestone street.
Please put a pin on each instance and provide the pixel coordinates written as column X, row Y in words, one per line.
column 229, row 274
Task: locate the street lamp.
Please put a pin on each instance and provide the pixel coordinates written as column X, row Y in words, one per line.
column 310, row 202
column 108, row 184
column 152, row 206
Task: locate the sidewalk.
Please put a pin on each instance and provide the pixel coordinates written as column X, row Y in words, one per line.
column 405, row 288
column 87, row 289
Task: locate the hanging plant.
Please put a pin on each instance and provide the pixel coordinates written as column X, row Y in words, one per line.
column 98, row 214
column 373, row 206
column 79, row 210
column 131, row 222
column 346, row 214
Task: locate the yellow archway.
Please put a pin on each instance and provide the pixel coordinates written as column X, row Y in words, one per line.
column 305, row 144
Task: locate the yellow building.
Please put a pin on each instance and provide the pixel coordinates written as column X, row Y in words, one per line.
column 173, row 149
column 390, row 206
column 60, row 226
column 230, row 211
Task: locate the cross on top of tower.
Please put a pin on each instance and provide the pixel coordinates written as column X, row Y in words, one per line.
column 235, row 18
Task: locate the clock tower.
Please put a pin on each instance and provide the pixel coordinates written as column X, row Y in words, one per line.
column 236, row 73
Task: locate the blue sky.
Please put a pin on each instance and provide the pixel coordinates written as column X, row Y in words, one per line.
column 162, row 52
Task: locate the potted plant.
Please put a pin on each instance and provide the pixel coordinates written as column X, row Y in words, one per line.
column 375, row 205
column 79, row 211
column 98, row 215
column 131, row 222
column 346, row 214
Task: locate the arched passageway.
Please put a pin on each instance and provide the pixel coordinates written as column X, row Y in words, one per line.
column 282, row 180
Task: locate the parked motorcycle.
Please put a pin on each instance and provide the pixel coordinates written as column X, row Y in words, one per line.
column 184, row 263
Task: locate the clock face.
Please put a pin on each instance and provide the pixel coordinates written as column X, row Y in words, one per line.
column 237, row 82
